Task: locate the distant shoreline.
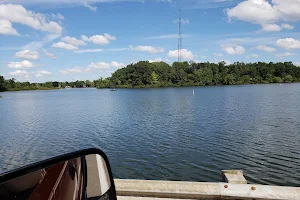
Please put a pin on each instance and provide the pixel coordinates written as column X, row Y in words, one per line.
column 186, row 86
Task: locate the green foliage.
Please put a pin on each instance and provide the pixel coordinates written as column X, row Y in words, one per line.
column 160, row 74
column 102, row 83
column 154, row 78
column 3, row 85
column 288, row 79
column 12, row 85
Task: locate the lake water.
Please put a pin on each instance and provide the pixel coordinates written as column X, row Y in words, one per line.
column 166, row 134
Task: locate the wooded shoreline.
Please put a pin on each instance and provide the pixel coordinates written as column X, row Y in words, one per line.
column 160, row 74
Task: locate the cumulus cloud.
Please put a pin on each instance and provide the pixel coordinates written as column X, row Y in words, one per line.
column 42, row 73
column 297, row 64
column 6, row 28
column 72, row 70
column 99, row 39
column 73, row 41
column 117, row 65
column 271, row 27
column 287, row 26
column 155, row 60
column 22, row 73
column 18, row 14
column 63, row 45
column 233, row 49
column 254, row 55
column 286, row 54
column 186, row 54
column 276, row 27
column 288, row 43
column 266, row 48
column 28, row 54
column 98, row 66
column 109, row 37
column 148, row 49
column 271, row 12
column 51, row 55
column 25, row 64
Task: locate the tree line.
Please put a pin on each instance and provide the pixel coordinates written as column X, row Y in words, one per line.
column 13, row 85
column 160, row 74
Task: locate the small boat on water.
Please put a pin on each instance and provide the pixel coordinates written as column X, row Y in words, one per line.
column 113, row 89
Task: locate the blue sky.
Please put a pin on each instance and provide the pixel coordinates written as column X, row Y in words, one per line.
column 43, row 40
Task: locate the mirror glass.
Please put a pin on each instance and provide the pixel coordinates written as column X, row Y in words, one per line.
column 84, row 177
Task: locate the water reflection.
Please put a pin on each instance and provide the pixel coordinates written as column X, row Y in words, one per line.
column 161, row 133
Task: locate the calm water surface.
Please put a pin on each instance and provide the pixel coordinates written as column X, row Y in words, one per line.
column 167, row 134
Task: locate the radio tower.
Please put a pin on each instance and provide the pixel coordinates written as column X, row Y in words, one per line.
column 180, row 56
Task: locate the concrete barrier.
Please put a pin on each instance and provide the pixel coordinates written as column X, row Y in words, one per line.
column 149, row 189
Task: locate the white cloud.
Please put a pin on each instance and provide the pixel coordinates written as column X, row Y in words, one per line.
column 117, row 65
column 288, row 43
column 233, row 49
column 51, row 55
column 63, row 45
column 297, row 64
column 36, row 45
column 19, row 14
column 57, row 16
column 89, row 51
column 287, row 26
column 73, row 41
column 25, row 64
column 266, row 48
column 6, row 28
column 72, row 70
column 254, row 55
column 92, row 8
column 286, row 54
column 109, row 37
column 98, row 66
column 265, row 12
column 155, row 60
column 99, row 39
column 148, row 49
column 271, row 27
column 42, row 73
column 186, row 54
column 28, row 54
column 23, row 73
column 218, row 54
column 276, row 27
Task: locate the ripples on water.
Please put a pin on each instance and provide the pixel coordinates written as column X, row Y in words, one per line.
column 167, row 134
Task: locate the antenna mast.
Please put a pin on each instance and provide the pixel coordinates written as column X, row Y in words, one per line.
column 180, row 56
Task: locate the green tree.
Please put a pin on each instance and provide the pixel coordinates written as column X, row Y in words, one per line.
column 288, row 79
column 154, row 78
column 3, row 86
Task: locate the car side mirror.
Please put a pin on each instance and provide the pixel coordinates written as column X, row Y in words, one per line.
column 80, row 175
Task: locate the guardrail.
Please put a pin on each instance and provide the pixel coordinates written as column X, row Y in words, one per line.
column 233, row 189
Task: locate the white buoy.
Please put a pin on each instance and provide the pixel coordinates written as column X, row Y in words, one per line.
column 193, row 92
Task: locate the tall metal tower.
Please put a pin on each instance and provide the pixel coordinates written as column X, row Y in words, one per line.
column 180, row 56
